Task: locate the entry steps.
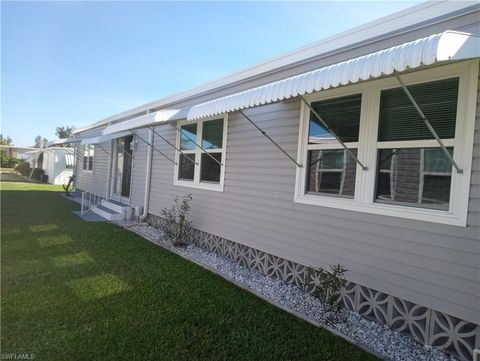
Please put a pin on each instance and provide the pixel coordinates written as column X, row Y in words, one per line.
column 113, row 210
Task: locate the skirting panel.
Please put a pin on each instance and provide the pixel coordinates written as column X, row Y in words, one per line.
column 425, row 325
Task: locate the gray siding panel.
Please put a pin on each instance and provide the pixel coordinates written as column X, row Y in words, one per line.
column 436, row 266
column 430, row 264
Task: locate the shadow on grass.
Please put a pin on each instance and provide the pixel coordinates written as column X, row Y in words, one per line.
column 78, row 291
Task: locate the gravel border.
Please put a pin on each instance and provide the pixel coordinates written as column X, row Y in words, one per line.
column 375, row 338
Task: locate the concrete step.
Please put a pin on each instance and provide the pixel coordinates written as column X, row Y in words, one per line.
column 115, row 205
column 107, row 213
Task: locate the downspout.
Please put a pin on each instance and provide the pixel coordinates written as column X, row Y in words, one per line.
column 148, row 177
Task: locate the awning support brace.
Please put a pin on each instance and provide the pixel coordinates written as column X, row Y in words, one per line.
column 173, row 146
column 271, row 140
column 104, row 150
column 198, row 145
column 429, row 126
column 150, row 145
column 325, row 125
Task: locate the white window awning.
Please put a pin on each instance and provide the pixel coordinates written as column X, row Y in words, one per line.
column 147, row 120
column 69, row 160
column 104, row 138
column 443, row 47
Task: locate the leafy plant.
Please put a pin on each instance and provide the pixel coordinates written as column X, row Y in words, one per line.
column 327, row 286
column 176, row 225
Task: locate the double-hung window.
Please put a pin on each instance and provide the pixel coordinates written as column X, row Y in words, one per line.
column 408, row 174
column 200, row 161
column 88, row 154
column 331, row 170
column 420, row 172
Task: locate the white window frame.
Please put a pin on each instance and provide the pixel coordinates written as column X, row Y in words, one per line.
column 88, row 170
column 196, row 183
column 364, row 199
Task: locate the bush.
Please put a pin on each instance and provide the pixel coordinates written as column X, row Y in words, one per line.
column 8, row 162
column 176, row 226
column 24, row 169
column 327, row 286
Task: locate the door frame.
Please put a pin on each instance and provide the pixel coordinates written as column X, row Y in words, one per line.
column 113, row 166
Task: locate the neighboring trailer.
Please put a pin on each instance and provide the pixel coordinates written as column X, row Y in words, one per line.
column 414, row 268
column 57, row 163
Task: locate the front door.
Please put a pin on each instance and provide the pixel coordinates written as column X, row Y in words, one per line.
column 122, row 166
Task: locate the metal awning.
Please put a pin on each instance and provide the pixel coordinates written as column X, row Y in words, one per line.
column 69, row 160
column 438, row 48
column 147, row 120
column 104, row 138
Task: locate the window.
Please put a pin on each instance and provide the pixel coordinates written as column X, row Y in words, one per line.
column 88, row 154
column 331, row 170
column 418, row 176
column 200, row 162
column 408, row 174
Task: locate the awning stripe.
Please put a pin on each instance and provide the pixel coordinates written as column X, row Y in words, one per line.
column 446, row 46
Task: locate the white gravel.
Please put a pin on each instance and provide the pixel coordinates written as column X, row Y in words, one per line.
column 380, row 339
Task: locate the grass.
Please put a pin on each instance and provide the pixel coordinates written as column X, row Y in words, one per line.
column 86, row 291
column 10, row 175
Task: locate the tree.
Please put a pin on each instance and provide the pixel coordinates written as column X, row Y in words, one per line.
column 40, row 142
column 5, row 140
column 64, row 132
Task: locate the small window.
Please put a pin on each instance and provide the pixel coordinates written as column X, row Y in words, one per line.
column 88, row 154
column 204, row 144
column 416, row 175
column 188, row 137
column 210, row 167
column 399, row 120
column 186, row 168
column 331, row 170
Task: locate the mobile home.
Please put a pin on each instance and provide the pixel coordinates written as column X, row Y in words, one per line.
column 361, row 149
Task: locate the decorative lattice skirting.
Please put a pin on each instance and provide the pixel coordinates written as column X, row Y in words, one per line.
column 425, row 325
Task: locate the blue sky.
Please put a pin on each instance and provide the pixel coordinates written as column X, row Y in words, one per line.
column 73, row 63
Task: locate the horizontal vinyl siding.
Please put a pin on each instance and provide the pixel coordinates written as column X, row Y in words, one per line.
column 427, row 263
column 93, row 181
column 430, row 264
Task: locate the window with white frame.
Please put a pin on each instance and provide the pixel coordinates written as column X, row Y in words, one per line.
column 408, row 173
column 421, row 172
column 200, row 163
column 88, row 154
column 331, row 170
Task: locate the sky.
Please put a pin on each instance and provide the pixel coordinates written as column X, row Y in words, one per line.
column 74, row 63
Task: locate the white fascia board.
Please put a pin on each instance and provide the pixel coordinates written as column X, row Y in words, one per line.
column 150, row 119
column 397, row 23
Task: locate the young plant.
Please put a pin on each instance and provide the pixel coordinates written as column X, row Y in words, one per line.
column 327, row 286
column 176, row 225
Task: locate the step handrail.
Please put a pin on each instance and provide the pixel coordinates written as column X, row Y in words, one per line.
column 93, row 198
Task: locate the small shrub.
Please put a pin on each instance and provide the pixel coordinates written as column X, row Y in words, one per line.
column 327, row 286
column 176, row 226
column 7, row 161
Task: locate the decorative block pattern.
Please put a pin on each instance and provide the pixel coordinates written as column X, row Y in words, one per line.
column 425, row 325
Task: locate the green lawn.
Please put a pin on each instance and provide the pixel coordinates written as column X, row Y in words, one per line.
column 82, row 291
